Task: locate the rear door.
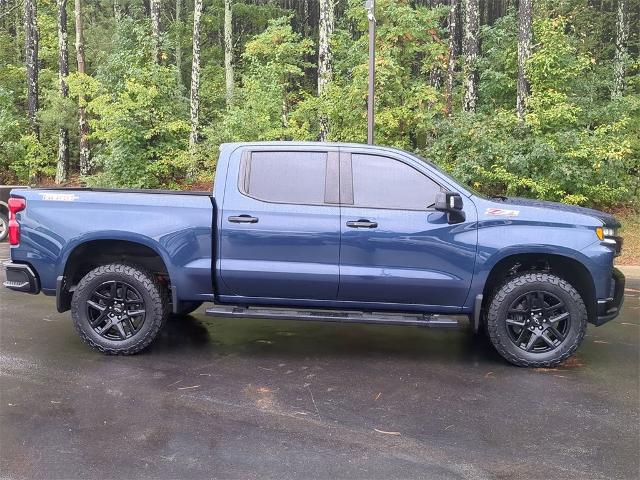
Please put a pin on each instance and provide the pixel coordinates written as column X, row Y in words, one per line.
column 395, row 248
column 281, row 224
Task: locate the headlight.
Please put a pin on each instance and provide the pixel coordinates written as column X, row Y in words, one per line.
column 610, row 237
column 604, row 232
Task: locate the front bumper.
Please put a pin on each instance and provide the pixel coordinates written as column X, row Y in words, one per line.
column 21, row 278
column 609, row 308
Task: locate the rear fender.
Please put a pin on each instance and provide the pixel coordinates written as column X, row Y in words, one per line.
column 113, row 235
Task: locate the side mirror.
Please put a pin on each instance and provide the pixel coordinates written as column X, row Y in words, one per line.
column 451, row 204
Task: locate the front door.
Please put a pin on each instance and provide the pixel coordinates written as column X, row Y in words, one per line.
column 395, row 248
column 281, row 224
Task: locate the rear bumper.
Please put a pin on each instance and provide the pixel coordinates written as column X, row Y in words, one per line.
column 21, row 278
column 609, row 308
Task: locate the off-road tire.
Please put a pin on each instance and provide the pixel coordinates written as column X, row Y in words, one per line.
column 155, row 302
column 4, row 232
column 517, row 286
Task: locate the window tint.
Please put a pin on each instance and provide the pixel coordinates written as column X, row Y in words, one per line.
column 289, row 177
column 382, row 182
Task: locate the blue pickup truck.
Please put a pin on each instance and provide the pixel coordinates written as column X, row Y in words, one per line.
column 325, row 232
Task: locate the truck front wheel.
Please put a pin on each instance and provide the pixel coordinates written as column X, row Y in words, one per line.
column 536, row 320
column 118, row 309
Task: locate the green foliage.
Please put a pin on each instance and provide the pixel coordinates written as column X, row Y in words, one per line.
column 36, row 160
column 138, row 115
column 410, row 52
column 504, row 157
column 575, row 143
column 574, row 146
column 142, row 128
column 12, row 124
column 275, row 61
column 498, row 65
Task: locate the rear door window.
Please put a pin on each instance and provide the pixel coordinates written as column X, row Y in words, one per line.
column 286, row 177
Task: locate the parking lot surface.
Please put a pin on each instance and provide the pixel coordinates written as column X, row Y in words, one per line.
column 282, row 399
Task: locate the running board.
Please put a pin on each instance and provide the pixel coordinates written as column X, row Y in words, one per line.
column 341, row 316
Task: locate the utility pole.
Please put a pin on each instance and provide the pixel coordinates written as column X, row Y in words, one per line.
column 370, row 5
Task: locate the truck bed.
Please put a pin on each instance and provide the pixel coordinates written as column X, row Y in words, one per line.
column 176, row 225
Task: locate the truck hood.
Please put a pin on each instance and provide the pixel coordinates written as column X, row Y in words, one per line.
column 607, row 219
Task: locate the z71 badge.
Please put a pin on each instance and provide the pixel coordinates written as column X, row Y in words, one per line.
column 501, row 212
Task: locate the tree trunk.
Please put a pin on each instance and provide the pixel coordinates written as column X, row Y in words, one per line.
column 195, row 74
column 31, row 60
column 451, row 62
column 471, row 48
column 179, row 40
column 117, row 10
column 305, row 17
column 4, row 11
column 63, row 72
column 19, row 23
column 325, row 57
column 435, row 73
column 525, row 13
column 155, row 29
column 228, row 51
column 622, row 35
column 82, row 114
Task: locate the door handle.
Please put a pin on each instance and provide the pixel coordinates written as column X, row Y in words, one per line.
column 362, row 223
column 243, row 219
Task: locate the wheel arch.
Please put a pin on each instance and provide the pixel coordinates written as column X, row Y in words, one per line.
column 86, row 255
column 568, row 268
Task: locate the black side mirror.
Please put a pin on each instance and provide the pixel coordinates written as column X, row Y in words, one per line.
column 451, row 204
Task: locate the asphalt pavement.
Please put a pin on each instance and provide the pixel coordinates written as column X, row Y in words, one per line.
column 282, row 399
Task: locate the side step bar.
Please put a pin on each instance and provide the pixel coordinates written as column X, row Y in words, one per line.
column 341, row 316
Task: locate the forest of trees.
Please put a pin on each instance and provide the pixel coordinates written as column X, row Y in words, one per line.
column 536, row 98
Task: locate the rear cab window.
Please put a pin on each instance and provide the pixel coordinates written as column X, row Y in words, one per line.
column 296, row 177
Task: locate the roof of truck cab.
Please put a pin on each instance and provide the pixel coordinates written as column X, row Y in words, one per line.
column 288, row 143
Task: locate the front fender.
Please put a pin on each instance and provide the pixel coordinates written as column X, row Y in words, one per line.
column 494, row 248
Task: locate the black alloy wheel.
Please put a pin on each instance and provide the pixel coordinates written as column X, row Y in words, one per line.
column 538, row 321
column 116, row 310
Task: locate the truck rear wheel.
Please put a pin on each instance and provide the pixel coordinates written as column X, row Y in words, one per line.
column 118, row 309
column 536, row 320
